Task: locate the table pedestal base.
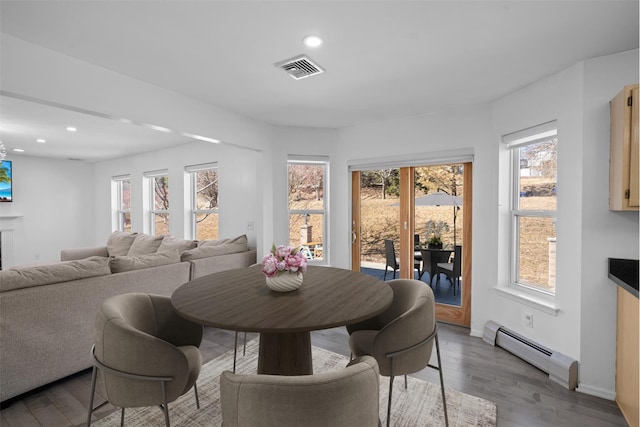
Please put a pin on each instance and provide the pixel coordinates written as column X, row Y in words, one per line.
column 285, row 354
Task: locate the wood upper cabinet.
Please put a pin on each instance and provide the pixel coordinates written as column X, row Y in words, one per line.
column 624, row 186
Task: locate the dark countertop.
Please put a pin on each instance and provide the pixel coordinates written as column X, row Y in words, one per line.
column 625, row 273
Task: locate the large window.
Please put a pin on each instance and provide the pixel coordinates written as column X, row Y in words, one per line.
column 159, row 207
column 123, row 202
column 204, row 201
column 533, row 207
column 308, row 206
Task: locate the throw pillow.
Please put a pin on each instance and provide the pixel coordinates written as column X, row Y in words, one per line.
column 119, row 264
column 145, row 244
column 119, row 243
column 171, row 242
column 24, row 277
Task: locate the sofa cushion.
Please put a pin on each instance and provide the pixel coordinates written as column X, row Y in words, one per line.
column 24, row 277
column 216, row 247
column 171, row 242
column 119, row 264
column 241, row 241
column 145, row 244
column 119, row 243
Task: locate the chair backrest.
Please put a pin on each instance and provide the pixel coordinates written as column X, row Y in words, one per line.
column 457, row 261
column 390, row 254
column 416, row 240
column 141, row 334
column 409, row 320
column 342, row 398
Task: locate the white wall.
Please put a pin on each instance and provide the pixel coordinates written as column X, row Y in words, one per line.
column 604, row 233
column 558, row 97
column 56, row 201
column 466, row 131
column 588, row 233
column 238, row 188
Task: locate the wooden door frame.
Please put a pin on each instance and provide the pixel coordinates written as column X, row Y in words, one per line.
column 447, row 313
column 355, row 221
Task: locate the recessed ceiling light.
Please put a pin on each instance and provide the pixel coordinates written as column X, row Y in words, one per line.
column 41, row 141
column 71, row 129
column 18, row 150
column 312, row 41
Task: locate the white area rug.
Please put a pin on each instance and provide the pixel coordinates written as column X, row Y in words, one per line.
column 419, row 405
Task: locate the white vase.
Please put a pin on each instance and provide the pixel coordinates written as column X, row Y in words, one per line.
column 285, row 282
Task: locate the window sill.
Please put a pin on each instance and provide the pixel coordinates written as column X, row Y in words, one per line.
column 548, row 307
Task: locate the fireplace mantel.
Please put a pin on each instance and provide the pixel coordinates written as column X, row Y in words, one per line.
column 8, row 222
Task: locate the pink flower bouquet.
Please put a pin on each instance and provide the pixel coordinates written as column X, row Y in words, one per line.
column 283, row 259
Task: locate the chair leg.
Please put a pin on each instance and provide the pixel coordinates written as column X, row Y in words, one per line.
column 94, row 374
column 235, row 352
column 244, row 348
column 195, row 389
column 390, row 396
column 385, row 274
column 390, row 391
column 166, row 405
column 444, row 400
column 405, row 382
column 122, row 418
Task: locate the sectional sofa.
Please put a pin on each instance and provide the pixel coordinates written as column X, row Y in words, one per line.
column 47, row 312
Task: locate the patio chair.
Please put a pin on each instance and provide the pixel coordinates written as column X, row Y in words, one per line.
column 392, row 261
column 430, row 260
column 453, row 270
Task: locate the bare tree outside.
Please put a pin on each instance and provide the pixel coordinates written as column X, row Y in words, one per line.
column 206, row 204
column 306, row 207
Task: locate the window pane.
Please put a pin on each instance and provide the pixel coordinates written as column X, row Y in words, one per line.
column 206, row 190
column 306, row 186
column 161, row 222
column 161, row 193
column 306, row 231
column 125, row 195
column 537, row 252
column 207, row 226
column 538, row 176
column 125, row 221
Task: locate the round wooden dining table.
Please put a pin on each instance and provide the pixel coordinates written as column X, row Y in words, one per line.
column 240, row 300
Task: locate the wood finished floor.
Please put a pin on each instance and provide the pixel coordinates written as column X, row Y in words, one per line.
column 525, row 396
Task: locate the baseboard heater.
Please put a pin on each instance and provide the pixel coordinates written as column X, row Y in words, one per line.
column 561, row 369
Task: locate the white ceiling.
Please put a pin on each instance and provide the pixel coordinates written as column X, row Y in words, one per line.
column 383, row 59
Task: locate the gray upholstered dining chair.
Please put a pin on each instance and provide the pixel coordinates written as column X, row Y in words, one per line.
column 342, row 398
column 401, row 338
column 144, row 353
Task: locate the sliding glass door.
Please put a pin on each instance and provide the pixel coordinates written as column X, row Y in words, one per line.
column 409, row 208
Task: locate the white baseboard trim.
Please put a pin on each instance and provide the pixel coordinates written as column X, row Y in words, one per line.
column 596, row 391
column 476, row 333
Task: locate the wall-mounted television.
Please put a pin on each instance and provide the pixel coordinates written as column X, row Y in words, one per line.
column 6, row 181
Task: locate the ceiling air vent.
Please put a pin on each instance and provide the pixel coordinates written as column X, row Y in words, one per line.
column 299, row 67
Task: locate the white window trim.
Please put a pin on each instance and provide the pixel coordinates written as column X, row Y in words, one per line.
column 195, row 212
column 151, row 175
column 120, row 213
column 314, row 160
column 523, row 292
